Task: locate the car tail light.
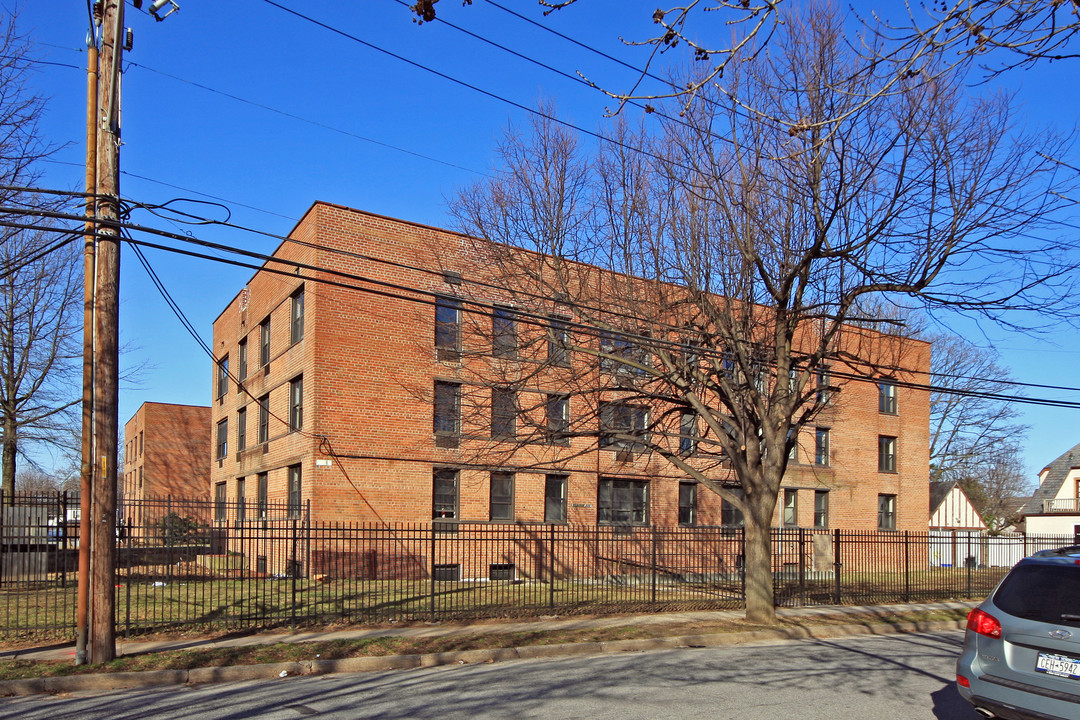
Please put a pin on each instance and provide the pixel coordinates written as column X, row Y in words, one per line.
column 963, row 681
column 983, row 623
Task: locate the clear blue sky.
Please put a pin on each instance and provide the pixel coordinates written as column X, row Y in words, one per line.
column 207, row 100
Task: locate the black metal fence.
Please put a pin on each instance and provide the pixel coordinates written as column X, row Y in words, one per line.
column 198, row 564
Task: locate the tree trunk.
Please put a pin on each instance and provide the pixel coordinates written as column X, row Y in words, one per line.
column 8, row 461
column 759, row 577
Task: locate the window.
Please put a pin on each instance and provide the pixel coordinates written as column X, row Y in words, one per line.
column 446, row 414
column 296, row 404
column 558, row 341
column 687, row 503
column 558, row 418
column 821, row 446
column 555, row 498
column 222, row 438
column 241, row 429
column 447, row 329
column 886, row 512
column 621, row 350
column 621, row 423
column 791, row 506
column 261, row 494
column 730, row 514
column 821, row 508
column 294, row 491
column 503, row 332
column 223, row 377
column 503, row 413
column 296, row 317
column 887, row 397
column 444, row 505
column 219, row 502
column 824, row 391
column 241, row 499
column 242, row 361
column 264, row 342
column 886, row 454
column 264, row 419
column 688, row 433
column 502, row 496
column 622, row 502
column 793, row 445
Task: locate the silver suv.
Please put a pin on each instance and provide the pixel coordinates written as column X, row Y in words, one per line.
column 1021, row 657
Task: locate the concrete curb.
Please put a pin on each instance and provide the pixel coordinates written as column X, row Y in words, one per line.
column 126, row 680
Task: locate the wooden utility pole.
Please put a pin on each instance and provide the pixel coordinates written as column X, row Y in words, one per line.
column 106, row 331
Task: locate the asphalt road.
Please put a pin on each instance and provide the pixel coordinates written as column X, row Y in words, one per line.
column 900, row 677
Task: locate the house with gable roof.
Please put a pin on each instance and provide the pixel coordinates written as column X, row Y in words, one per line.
column 1054, row 509
column 951, row 509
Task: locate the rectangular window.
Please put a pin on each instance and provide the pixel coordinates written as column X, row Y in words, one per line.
column 824, row 389
column 444, row 504
column 821, row 508
column 504, row 341
column 264, row 419
column 886, row 512
column 730, row 514
column 241, row 370
column 687, row 503
column 262, row 499
column 296, row 317
column 791, row 506
column 241, row 429
column 219, row 502
column 558, row 341
column 688, row 433
column 623, row 426
column 558, row 418
column 294, row 491
column 821, row 446
column 622, row 502
column 296, row 404
column 887, row 397
column 886, row 456
column 264, row 342
column 241, row 500
column 555, row 498
column 504, row 414
column 793, row 445
column 622, row 354
column 222, row 438
column 447, row 328
column 502, row 497
column 446, row 413
column 223, row 377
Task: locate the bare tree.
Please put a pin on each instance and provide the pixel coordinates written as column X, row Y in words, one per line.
column 727, row 308
column 996, row 484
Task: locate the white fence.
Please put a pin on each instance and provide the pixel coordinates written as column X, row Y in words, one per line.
column 971, row 548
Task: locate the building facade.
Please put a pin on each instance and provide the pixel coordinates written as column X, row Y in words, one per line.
column 1054, row 508
column 347, row 382
column 167, row 452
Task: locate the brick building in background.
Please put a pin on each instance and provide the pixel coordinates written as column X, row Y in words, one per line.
column 363, row 406
column 167, row 452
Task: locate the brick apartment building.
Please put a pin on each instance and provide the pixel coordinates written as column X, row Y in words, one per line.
column 362, row 406
column 167, row 452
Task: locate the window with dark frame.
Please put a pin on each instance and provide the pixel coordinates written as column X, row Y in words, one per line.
column 618, row 418
column 444, row 502
column 264, row 419
column 821, row 508
column 555, row 498
column 446, row 413
column 241, row 429
column 262, row 497
column 296, row 317
column 296, row 404
column 886, row 512
column 504, row 412
column 223, row 377
column 294, row 501
column 219, row 502
column 241, row 500
column 502, row 497
column 447, row 328
column 620, row 350
column 504, row 339
column 821, row 446
column 887, row 397
column 557, row 409
column 622, row 502
column 558, row 341
column 793, row 445
column 242, row 364
column 791, row 507
column 824, row 389
column 687, row 503
column 886, row 454
column 222, row 438
column 730, row 514
column 688, row 433
column 264, row 342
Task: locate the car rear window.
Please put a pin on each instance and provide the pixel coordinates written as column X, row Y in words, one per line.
column 1049, row 593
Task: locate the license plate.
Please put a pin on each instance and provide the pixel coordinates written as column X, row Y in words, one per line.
column 1059, row 665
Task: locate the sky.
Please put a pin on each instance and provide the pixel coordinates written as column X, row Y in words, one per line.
column 242, row 110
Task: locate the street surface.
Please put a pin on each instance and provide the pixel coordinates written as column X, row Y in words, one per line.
column 900, row 677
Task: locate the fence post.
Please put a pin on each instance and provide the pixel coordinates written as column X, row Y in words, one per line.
column 293, row 571
column 432, row 583
column 654, row 565
column 551, row 567
column 802, row 567
column 742, row 563
column 907, row 566
column 836, row 566
column 968, row 565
